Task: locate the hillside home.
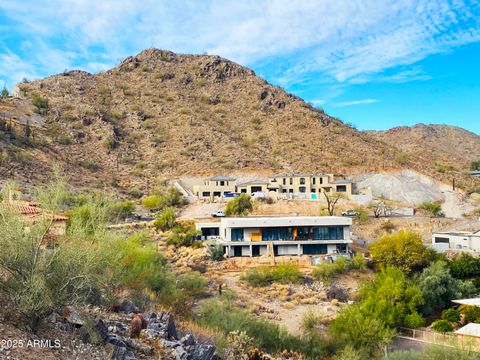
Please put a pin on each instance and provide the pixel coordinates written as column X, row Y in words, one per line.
column 311, row 186
column 215, row 187
column 291, row 236
column 457, row 241
column 30, row 213
column 253, row 186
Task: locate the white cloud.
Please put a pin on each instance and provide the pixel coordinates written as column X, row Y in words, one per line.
column 354, row 102
column 346, row 41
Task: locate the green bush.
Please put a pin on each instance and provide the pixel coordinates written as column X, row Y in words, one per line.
column 192, row 283
column 327, row 271
column 239, row 206
column 182, row 235
column 166, row 220
column 264, row 275
column 224, row 317
column 37, row 280
column 465, row 266
column 442, row 326
column 135, row 193
column 414, row 320
column 470, row 313
column 451, row 315
column 358, row 262
column 164, row 197
column 121, row 210
column 363, row 333
column 216, row 252
column 39, row 102
column 362, row 214
column 433, row 208
column 475, row 165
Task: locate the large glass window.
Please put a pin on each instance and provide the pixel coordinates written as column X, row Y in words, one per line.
column 237, row 234
column 280, row 233
column 302, row 181
column 328, row 233
column 303, row 233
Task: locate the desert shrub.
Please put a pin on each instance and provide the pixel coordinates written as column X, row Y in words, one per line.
column 442, row 326
column 110, row 143
column 239, row 206
column 40, row 103
column 362, row 214
column 364, row 334
column 163, row 197
column 182, row 235
column 192, row 283
column 327, row 271
column 475, row 165
column 433, row 208
column 414, row 320
column 403, row 249
column 337, row 292
column 166, row 220
column 224, row 317
column 358, row 262
column 401, row 158
column 281, row 273
column 37, row 280
column 216, row 252
column 89, row 164
column 121, row 209
column 451, row 315
column 135, row 193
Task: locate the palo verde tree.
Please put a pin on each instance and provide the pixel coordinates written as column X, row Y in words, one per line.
column 403, row 249
column 239, row 206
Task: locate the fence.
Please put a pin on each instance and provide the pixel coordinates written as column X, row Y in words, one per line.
column 447, row 339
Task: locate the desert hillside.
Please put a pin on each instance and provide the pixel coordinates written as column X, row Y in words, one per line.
column 446, row 146
column 161, row 114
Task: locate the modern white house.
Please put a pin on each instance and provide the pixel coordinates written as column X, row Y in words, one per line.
column 282, row 235
column 457, row 241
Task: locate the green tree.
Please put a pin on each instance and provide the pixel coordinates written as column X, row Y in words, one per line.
column 183, row 235
column 439, row 287
column 166, row 220
column 391, row 298
column 366, row 334
column 465, row 266
column 239, row 206
column 403, row 249
column 4, row 94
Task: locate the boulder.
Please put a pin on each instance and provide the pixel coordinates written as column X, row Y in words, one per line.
column 203, row 352
column 127, row 306
column 73, row 316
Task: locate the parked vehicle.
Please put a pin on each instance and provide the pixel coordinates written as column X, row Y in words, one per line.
column 350, row 213
column 218, row 213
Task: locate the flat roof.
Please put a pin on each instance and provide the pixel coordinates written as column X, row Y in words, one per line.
column 342, row 181
column 263, row 221
column 472, row 302
column 458, row 233
column 471, row 329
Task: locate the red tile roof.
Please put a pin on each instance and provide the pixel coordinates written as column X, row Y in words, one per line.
column 31, row 210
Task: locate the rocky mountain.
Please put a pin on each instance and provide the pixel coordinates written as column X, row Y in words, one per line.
column 447, row 147
column 161, row 114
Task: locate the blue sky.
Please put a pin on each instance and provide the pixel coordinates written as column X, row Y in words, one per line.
column 372, row 63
